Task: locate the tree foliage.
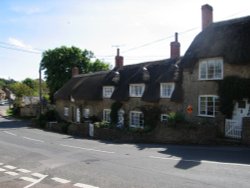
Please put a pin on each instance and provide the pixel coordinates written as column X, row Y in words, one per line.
column 58, row 63
column 21, row 89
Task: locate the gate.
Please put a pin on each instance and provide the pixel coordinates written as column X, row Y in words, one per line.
column 233, row 129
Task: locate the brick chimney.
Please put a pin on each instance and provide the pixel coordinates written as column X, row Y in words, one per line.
column 175, row 48
column 118, row 60
column 207, row 15
column 75, row 71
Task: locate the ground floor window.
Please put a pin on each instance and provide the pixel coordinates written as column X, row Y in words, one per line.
column 106, row 115
column 66, row 111
column 136, row 119
column 208, row 105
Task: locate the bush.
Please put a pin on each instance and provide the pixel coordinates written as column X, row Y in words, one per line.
column 175, row 117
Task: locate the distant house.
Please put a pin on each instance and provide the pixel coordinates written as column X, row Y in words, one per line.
column 29, row 106
column 2, row 94
column 221, row 50
column 152, row 84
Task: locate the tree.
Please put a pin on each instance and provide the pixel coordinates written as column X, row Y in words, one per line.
column 21, row 89
column 59, row 62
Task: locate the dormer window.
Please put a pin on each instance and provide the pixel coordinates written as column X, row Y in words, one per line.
column 211, row 69
column 167, row 89
column 136, row 90
column 107, row 91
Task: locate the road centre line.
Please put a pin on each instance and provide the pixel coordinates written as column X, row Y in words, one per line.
column 11, row 173
column 87, row 149
column 23, row 170
column 10, row 167
column 10, row 133
column 2, row 170
column 81, row 185
column 32, row 139
column 60, row 180
column 32, row 180
column 201, row 161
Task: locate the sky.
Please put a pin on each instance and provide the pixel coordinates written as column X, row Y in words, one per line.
column 142, row 29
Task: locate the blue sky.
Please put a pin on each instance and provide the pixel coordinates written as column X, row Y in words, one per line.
column 143, row 29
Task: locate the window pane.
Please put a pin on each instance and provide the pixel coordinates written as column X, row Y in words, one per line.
column 209, row 105
column 203, row 70
column 211, row 69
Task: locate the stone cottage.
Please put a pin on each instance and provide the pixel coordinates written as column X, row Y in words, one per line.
column 220, row 53
column 155, row 84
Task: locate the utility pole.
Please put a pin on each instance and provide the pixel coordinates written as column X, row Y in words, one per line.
column 40, row 90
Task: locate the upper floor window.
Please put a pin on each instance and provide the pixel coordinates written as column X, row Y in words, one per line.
column 136, row 90
column 167, row 90
column 136, row 119
column 208, row 105
column 107, row 91
column 106, row 115
column 211, row 69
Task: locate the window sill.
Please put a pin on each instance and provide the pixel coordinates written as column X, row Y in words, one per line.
column 207, row 116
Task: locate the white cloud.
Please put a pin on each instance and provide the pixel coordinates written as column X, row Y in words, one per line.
column 29, row 10
column 20, row 44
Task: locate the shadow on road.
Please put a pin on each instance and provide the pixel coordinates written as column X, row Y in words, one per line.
column 9, row 122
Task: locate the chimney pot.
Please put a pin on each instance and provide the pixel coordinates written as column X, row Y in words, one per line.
column 118, row 60
column 207, row 15
column 175, row 48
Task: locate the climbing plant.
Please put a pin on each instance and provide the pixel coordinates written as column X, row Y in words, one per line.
column 151, row 116
column 115, row 107
column 231, row 89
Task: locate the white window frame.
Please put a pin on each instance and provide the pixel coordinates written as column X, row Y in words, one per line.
column 204, row 65
column 106, row 115
column 86, row 113
column 164, row 117
column 138, row 122
column 136, row 90
column 107, row 91
column 167, row 89
column 78, row 115
column 204, row 106
column 66, row 111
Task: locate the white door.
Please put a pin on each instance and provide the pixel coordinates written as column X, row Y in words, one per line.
column 241, row 110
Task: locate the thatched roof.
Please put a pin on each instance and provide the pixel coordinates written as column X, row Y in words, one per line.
column 89, row 86
column 228, row 39
column 84, row 86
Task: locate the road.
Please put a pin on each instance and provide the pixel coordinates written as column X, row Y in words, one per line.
column 36, row 158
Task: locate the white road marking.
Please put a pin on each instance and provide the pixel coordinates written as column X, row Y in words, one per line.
column 1, row 163
column 10, row 167
column 32, row 180
column 88, row 149
column 84, row 185
column 10, row 133
column 32, row 139
column 201, row 161
column 23, row 170
column 2, row 170
column 38, row 175
column 60, row 180
column 37, row 181
column 11, row 173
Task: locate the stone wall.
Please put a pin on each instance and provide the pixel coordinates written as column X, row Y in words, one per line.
column 182, row 133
